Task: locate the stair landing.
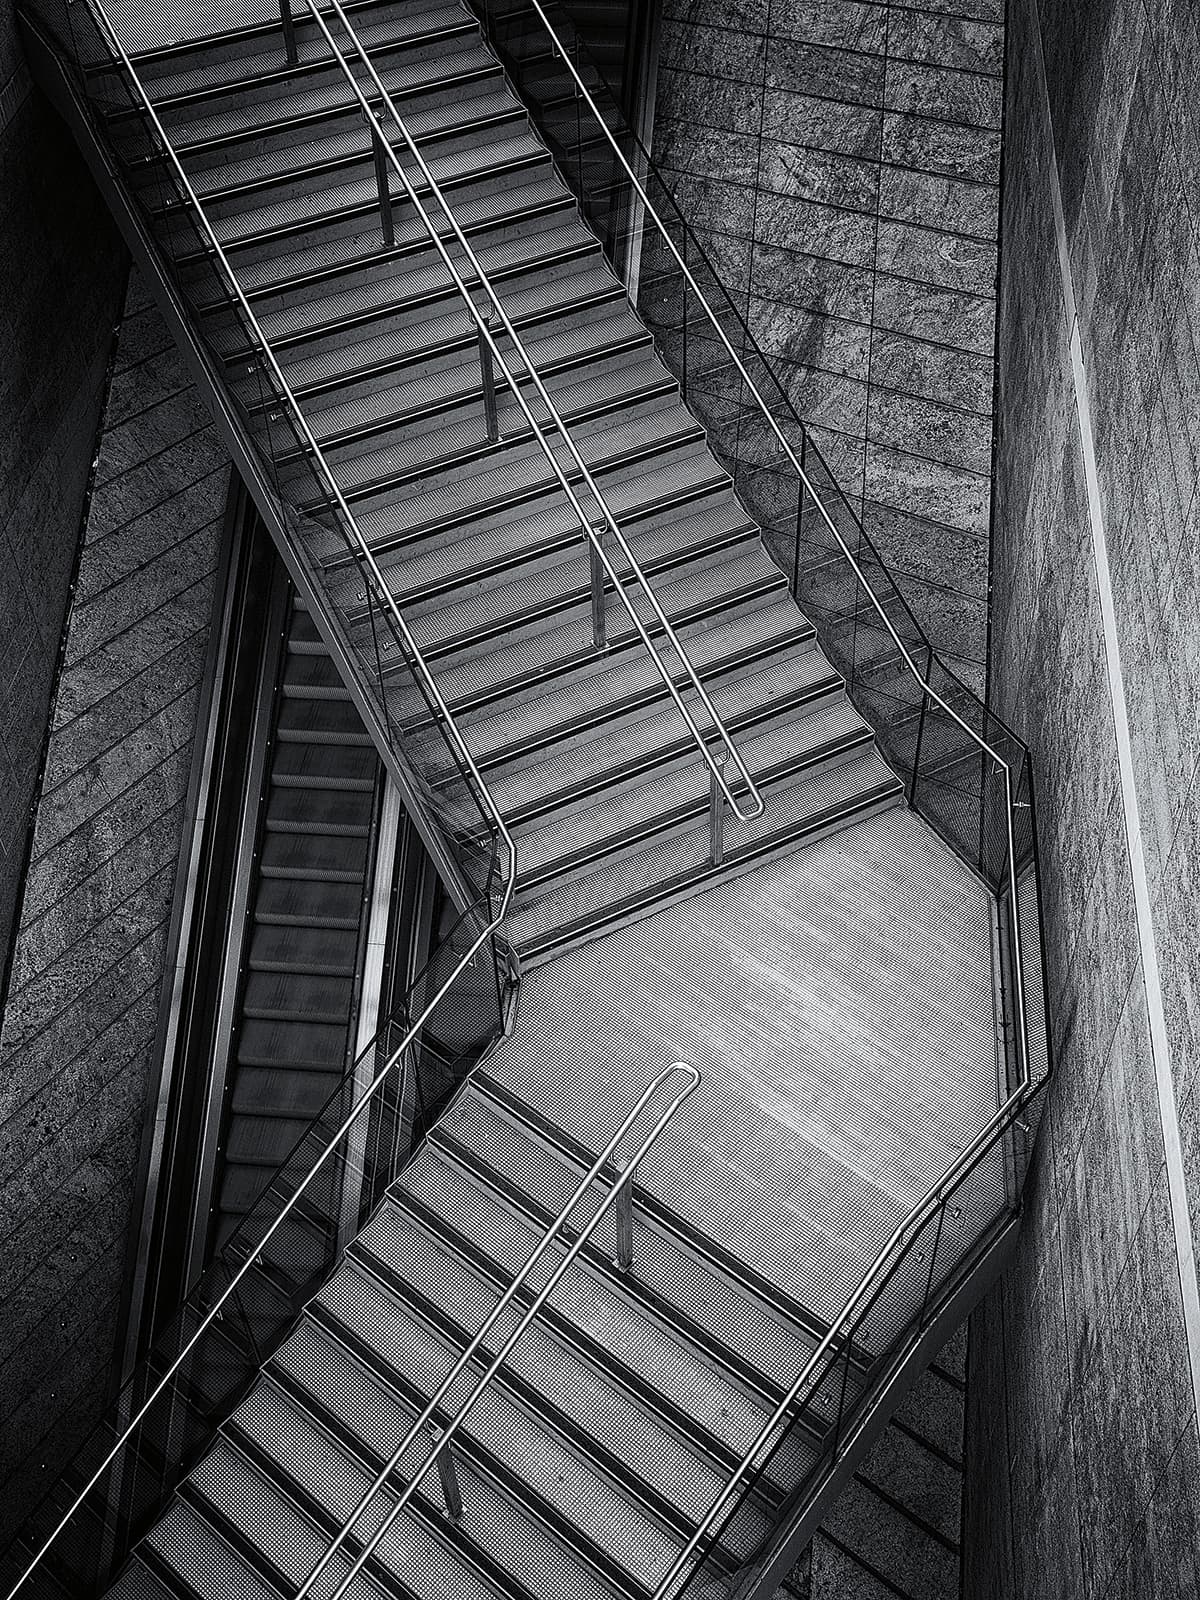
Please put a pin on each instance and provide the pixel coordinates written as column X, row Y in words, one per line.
column 839, row 1005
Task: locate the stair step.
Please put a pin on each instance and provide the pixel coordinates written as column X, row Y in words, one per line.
column 306, row 1044
column 316, row 722
column 678, row 864
column 341, row 198
column 531, row 666
column 419, row 88
column 310, row 950
column 320, row 810
column 535, row 601
column 613, row 353
column 555, row 850
column 280, row 1093
column 285, row 267
column 137, row 1582
column 271, row 996
column 203, row 71
column 655, row 1347
column 283, row 153
column 515, row 1149
column 548, row 1373
column 199, row 1562
column 417, row 315
column 552, row 1480
column 494, row 1536
column 512, row 474
column 620, row 756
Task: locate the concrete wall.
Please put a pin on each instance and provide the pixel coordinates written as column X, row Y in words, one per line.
column 77, row 1051
column 1084, row 1472
column 841, row 162
column 61, row 274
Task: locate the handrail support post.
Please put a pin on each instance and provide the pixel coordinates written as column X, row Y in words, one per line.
column 624, row 1218
column 716, row 812
column 443, row 1454
column 382, row 183
column 599, row 621
column 289, row 33
column 487, row 375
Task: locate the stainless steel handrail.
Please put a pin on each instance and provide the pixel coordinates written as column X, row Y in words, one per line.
column 464, row 961
column 916, row 1218
column 364, row 550
column 487, row 335
column 878, row 605
column 1005, row 1114
column 622, row 1185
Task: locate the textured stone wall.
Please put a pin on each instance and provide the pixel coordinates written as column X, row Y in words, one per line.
column 61, row 272
column 841, row 162
column 77, row 1056
column 1084, row 1471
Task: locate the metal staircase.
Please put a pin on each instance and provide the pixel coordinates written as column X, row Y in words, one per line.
column 553, row 537
column 305, row 924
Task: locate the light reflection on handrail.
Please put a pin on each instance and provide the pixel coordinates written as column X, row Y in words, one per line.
column 624, row 1181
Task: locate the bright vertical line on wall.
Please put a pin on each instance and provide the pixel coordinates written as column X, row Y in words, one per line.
column 1168, row 1108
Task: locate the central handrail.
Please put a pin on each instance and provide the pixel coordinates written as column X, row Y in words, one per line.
column 984, row 746
column 624, row 1182
column 487, row 335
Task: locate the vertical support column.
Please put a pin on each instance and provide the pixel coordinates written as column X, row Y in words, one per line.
column 381, row 181
column 289, row 33
column 599, row 626
column 716, row 812
column 683, row 301
column 487, row 378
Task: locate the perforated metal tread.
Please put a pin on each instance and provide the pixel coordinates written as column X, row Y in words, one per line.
column 650, row 1332
column 630, row 687
column 245, row 60
column 430, row 415
column 395, row 326
column 421, row 1548
column 418, row 86
column 553, row 1479
column 137, row 1582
